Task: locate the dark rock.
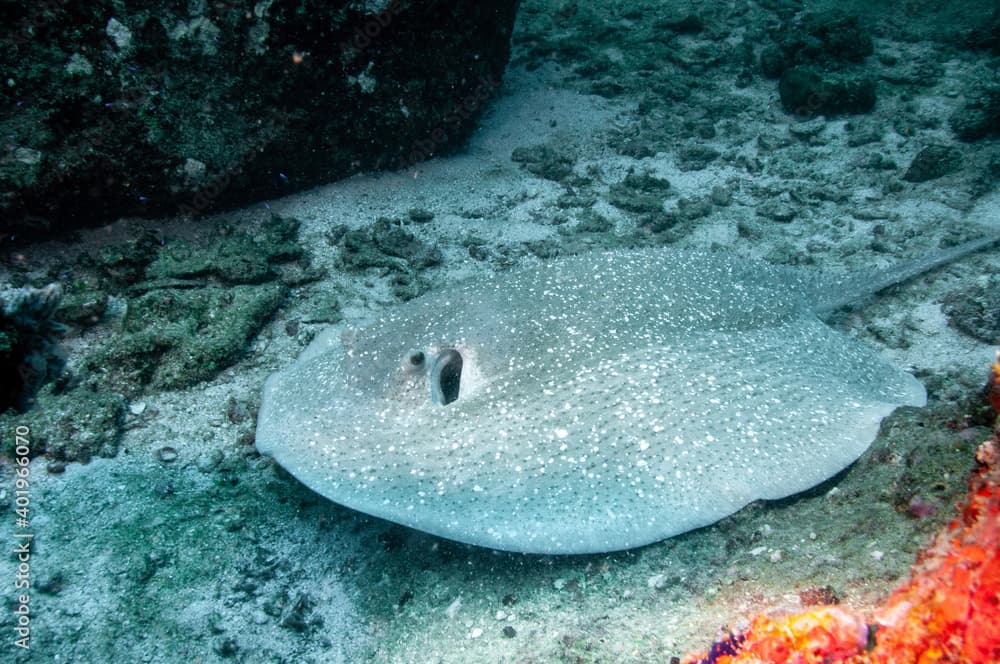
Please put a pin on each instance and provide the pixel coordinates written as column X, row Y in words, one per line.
column 227, row 647
column 52, row 584
column 238, row 411
column 828, row 39
column 640, row 193
column 278, row 239
column 543, row 161
column 544, row 249
column 392, row 239
column 78, row 425
column 807, row 92
column 773, row 61
column 420, row 215
column 211, row 105
column 691, row 209
column 776, row 211
column 593, row 222
column 632, row 201
column 985, row 36
column 408, row 285
column 815, row 55
column 167, row 454
column 478, row 252
column 30, row 354
column 979, row 116
column 387, row 246
column 668, row 225
column 163, row 490
column 298, row 615
column 575, row 199
column 608, row 88
column 841, row 35
column 933, row 162
column 125, row 264
column 721, row 195
column 696, row 157
column 646, row 183
column 180, row 326
column 974, row 311
column 680, row 21
column 234, row 258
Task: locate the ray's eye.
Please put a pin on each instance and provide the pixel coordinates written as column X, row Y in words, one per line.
column 416, row 359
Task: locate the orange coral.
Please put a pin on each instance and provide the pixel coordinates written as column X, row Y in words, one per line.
column 813, row 637
column 993, row 386
column 950, row 610
column 948, row 613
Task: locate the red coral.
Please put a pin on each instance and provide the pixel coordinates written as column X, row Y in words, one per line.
column 950, row 609
column 948, row 613
column 993, row 385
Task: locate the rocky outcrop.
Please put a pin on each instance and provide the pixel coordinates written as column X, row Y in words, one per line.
column 188, row 107
column 30, row 353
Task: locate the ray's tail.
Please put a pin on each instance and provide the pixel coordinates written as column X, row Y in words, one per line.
column 835, row 291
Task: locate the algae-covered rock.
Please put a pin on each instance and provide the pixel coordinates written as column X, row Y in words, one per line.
column 974, row 311
column 810, row 92
column 192, row 306
column 979, row 116
column 120, row 109
column 826, row 38
column 232, row 257
column 640, row 193
column 174, row 338
column 544, row 161
column 124, row 264
column 83, row 307
column 392, row 239
column 388, row 247
column 593, row 222
column 933, row 162
column 30, row 353
column 696, row 157
column 74, row 425
column 233, row 260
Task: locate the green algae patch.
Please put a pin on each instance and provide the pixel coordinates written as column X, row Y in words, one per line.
column 74, row 425
column 173, row 338
column 233, row 260
column 191, row 305
column 231, row 257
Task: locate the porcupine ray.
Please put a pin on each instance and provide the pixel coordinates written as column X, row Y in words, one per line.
column 588, row 404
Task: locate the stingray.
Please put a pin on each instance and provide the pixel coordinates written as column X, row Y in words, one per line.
column 591, row 403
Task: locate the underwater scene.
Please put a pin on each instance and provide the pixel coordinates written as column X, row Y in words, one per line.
column 409, row 331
